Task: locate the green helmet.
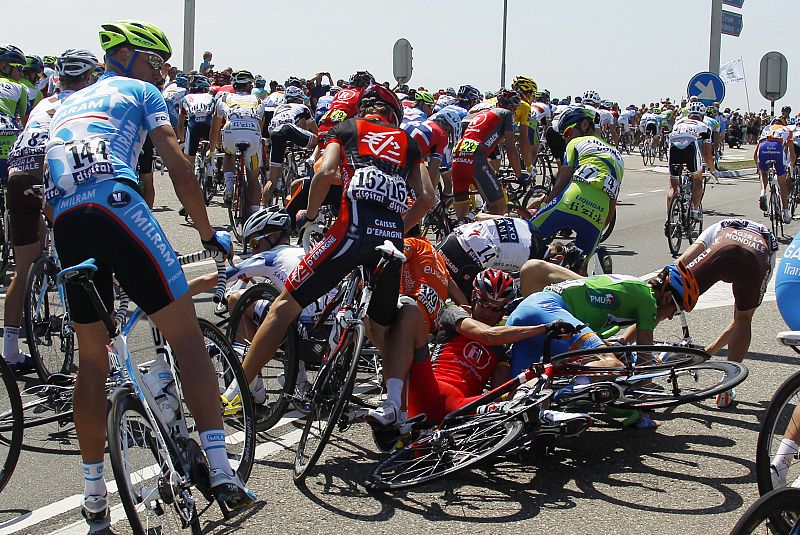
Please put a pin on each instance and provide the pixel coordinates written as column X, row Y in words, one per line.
column 424, row 97
column 138, row 34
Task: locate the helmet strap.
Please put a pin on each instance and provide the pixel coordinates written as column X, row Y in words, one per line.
column 124, row 70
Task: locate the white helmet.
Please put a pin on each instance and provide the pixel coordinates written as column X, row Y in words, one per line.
column 294, row 93
column 697, row 108
column 591, row 97
column 265, row 221
column 450, row 117
column 75, row 61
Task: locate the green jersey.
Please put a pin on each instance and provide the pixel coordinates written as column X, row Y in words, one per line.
column 13, row 98
column 604, row 300
column 595, row 162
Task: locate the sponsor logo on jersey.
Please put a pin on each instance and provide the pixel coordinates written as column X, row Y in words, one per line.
column 75, row 200
column 119, row 199
column 601, row 298
column 476, row 355
column 89, row 105
column 299, row 275
column 141, row 218
column 384, row 145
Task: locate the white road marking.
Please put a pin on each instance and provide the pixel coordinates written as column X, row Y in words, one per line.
column 636, row 194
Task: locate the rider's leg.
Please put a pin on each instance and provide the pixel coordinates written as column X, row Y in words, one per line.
column 697, row 189
column 784, row 183
column 270, row 333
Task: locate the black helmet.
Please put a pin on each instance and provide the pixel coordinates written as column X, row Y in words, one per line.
column 12, row 54
column 361, row 79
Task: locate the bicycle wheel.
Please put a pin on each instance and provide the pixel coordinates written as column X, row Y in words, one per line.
column 441, row 452
column 328, row 397
column 670, row 388
column 777, row 512
column 152, row 503
column 51, row 340
column 609, row 228
column 45, row 404
column 239, row 208
column 775, row 212
column 635, row 358
column 781, row 419
column 10, row 424
column 675, row 225
column 794, row 194
column 282, row 366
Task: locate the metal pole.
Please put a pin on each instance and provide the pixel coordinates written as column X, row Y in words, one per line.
column 503, row 66
column 746, row 94
column 188, row 35
column 716, row 36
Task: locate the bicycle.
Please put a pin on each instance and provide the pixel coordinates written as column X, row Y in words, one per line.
column 329, row 396
column 239, row 208
column 794, row 190
column 680, row 223
column 647, row 151
column 11, row 418
column 775, row 205
column 6, row 250
column 203, row 170
column 777, row 512
column 159, row 496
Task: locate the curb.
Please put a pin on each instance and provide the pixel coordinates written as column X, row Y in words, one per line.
column 738, row 173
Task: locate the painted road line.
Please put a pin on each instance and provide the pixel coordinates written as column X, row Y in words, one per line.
column 636, row 194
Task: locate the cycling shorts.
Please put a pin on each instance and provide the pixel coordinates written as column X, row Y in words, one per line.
column 194, row 135
column 431, row 396
column 461, row 266
column 771, row 150
column 111, row 223
column 351, row 242
column 475, row 169
column 688, row 155
column 24, row 203
column 429, row 304
column 650, row 128
column 581, row 208
column 280, row 138
column 253, row 137
column 540, row 309
column 556, row 143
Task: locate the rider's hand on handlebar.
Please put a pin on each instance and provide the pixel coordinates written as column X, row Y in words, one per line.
column 220, row 242
column 525, row 178
column 560, row 329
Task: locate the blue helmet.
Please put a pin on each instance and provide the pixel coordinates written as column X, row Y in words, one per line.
column 199, row 82
column 575, row 115
column 181, row 80
column 683, row 284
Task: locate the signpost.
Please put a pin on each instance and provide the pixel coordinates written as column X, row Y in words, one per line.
column 731, row 23
column 707, row 87
column 734, row 3
column 773, row 78
column 402, row 61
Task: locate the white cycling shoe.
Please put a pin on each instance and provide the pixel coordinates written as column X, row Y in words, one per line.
column 386, row 414
column 95, row 511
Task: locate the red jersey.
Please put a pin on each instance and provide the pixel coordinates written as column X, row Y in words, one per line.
column 484, row 131
column 424, row 277
column 429, row 135
column 343, row 106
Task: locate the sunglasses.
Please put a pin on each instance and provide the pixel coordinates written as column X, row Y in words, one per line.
column 568, row 130
column 253, row 243
column 155, row 61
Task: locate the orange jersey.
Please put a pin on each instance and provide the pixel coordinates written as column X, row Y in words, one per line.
column 424, row 277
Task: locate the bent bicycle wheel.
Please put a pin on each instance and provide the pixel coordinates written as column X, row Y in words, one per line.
column 781, row 423
column 777, row 512
column 10, row 423
column 460, row 444
column 634, row 358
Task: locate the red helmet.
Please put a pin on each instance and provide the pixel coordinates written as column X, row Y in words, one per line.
column 494, row 286
column 378, row 92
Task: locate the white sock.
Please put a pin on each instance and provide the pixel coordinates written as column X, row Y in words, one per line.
column 763, row 192
column 394, row 390
column 229, row 181
column 93, row 482
column 232, row 390
column 213, row 443
column 786, row 452
column 11, row 350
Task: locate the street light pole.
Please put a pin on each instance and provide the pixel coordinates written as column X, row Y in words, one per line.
column 188, row 35
column 716, row 36
column 503, row 66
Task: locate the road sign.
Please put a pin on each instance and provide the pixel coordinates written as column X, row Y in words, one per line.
column 734, row 3
column 731, row 23
column 774, row 75
column 707, row 87
column 402, row 61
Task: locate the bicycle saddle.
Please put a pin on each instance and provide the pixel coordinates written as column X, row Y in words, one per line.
column 78, row 270
column 243, row 146
column 389, row 249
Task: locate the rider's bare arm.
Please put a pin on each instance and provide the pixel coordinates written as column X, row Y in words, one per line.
column 495, row 336
column 420, row 182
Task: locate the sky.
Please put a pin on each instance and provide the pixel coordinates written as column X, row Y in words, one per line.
column 630, row 51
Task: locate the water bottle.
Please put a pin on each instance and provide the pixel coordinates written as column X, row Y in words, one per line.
column 161, row 383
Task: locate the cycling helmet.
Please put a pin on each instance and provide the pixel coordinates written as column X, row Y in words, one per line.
column 242, row 78
column 573, row 116
column 508, row 98
column 33, row 63
column 199, row 82
column 450, row 118
column 379, row 93
column 494, row 286
column 294, row 81
column 524, row 85
column 137, row 34
column 12, row 54
column 556, row 102
column 606, row 104
column 489, row 95
column 450, row 92
column 786, row 109
column 181, row 80
column 591, row 97
column 361, row 79
column 404, row 89
column 683, row 284
column 334, row 89
column 265, row 221
column 468, row 92
column 543, row 96
column 75, row 62
column 293, row 92
column 424, row 97
column 260, row 82
column 49, row 60
column 697, row 108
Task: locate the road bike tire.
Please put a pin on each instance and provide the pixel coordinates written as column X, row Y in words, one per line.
column 609, row 228
column 283, row 363
column 777, row 512
column 794, row 194
column 675, row 231
column 133, row 449
column 660, row 389
column 671, row 357
column 775, row 212
column 239, row 207
column 329, row 396
column 11, row 421
column 442, row 452
column 777, row 418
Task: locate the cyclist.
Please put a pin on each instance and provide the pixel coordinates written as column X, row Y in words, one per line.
column 259, row 89
column 371, row 150
column 433, row 136
column 292, row 122
column 584, row 196
column 324, row 102
column 650, row 124
column 239, row 116
column 24, row 196
column 173, row 94
column 13, row 103
column 540, row 119
column 420, row 109
column 31, row 73
column 740, row 252
column 345, row 104
column 105, row 218
column 194, row 122
column 776, row 147
column 691, row 138
column 483, row 132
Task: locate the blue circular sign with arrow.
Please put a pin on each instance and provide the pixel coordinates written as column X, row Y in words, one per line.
column 707, row 87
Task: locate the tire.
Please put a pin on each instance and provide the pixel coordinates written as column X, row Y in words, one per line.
column 51, row 341
column 609, row 228
column 775, row 512
column 672, row 357
column 442, row 452
column 133, row 449
column 329, row 396
column 776, row 420
column 775, row 212
column 238, row 208
column 533, row 192
column 675, row 230
column 284, row 363
column 11, row 419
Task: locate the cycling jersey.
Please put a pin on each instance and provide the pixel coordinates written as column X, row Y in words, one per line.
column 243, row 113
column 13, row 105
column 424, row 277
column 787, row 285
column 689, row 131
column 34, row 95
column 443, row 101
column 273, row 101
column 411, row 113
column 289, row 113
column 172, row 96
column 501, row 243
column 650, row 123
column 260, row 92
column 323, row 103
column 343, row 106
column 483, row 131
column 429, row 135
column 596, row 163
column 198, row 108
column 27, row 154
column 776, row 132
column 712, row 123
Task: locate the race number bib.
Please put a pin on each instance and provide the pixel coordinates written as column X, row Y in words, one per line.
column 372, row 184
column 467, row 146
column 611, row 187
column 585, row 173
column 72, row 163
